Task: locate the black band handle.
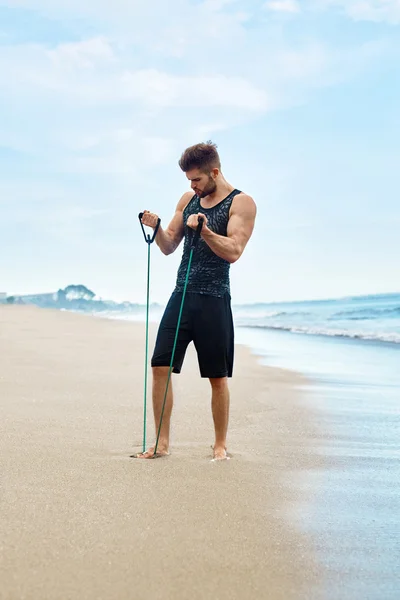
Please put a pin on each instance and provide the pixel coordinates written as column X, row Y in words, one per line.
column 197, row 232
column 147, row 238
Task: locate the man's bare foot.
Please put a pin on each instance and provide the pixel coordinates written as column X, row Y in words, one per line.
column 150, row 453
column 220, row 453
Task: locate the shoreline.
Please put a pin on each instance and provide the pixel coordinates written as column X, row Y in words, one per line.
column 84, row 520
column 335, row 338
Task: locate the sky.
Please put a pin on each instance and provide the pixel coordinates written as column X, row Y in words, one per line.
column 98, row 100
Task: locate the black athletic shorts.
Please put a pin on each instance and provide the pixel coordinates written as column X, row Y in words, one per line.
column 207, row 321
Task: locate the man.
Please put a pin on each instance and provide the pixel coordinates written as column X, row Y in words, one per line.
column 228, row 221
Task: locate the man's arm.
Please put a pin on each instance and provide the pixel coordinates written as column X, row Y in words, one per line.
column 240, row 228
column 169, row 239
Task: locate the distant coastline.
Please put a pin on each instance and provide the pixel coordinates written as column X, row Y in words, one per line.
column 74, row 298
column 374, row 317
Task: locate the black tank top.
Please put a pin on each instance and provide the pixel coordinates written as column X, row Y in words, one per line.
column 209, row 274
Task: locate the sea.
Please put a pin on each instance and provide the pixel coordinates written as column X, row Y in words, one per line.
column 375, row 318
column 371, row 318
column 349, row 350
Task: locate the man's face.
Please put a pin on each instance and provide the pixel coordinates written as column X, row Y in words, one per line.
column 202, row 184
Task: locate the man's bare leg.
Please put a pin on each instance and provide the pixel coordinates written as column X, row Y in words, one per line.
column 220, row 412
column 160, row 376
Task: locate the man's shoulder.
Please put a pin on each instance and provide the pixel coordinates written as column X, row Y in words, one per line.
column 243, row 201
column 241, row 194
column 184, row 201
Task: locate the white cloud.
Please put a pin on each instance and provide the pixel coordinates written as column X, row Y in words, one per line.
column 81, row 72
column 306, row 64
column 381, row 10
column 163, row 28
column 90, row 111
column 286, row 6
column 370, row 10
column 102, row 106
column 161, row 89
column 85, row 54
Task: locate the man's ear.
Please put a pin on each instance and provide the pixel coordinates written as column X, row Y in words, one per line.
column 215, row 173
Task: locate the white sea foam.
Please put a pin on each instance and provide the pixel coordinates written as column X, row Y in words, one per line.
column 390, row 337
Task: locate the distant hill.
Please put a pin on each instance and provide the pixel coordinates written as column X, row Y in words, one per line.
column 73, row 297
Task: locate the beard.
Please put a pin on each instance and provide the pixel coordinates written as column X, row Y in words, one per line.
column 210, row 188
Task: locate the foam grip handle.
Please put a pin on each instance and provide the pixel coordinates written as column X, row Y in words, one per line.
column 156, row 229
column 147, row 238
column 198, row 232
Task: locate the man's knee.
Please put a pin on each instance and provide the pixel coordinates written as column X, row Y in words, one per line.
column 219, row 383
column 160, row 372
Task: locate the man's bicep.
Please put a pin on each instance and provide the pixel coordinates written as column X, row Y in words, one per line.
column 241, row 222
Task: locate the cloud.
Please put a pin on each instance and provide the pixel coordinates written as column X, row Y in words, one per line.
column 150, row 79
column 93, row 105
column 370, row 10
column 161, row 89
column 161, row 27
column 83, row 72
column 381, row 10
column 285, row 6
column 90, row 111
column 85, row 54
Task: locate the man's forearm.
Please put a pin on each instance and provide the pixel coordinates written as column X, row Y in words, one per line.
column 166, row 244
column 222, row 246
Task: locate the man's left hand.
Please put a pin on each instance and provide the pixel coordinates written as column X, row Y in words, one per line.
column 193, row 221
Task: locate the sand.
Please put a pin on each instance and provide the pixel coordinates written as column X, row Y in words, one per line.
column 82, row 520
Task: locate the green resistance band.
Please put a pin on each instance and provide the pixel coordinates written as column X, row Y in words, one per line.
column 149, row 240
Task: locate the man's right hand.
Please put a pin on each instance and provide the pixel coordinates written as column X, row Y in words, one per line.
column 149, row 219
column 169, row 240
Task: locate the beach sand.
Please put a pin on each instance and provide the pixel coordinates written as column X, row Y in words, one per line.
column 81, row 520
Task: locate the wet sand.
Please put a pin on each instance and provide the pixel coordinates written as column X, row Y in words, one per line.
column 354, row 513
column 80, row 519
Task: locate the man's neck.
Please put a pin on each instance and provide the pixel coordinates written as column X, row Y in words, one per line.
column 223, row 190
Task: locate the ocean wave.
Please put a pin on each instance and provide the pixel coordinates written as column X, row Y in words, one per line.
column 389, row 337
column 270, row 315
column 363, row 314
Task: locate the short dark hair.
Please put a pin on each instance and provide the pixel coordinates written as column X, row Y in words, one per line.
column 200, row 156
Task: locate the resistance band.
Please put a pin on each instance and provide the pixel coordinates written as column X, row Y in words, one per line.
column 195, row 239
column 149, row 240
